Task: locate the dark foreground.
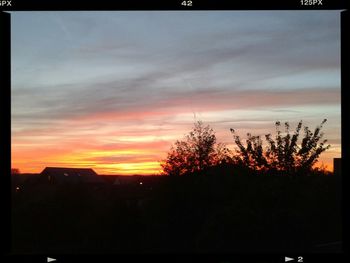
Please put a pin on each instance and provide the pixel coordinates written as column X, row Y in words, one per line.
column 228, row 214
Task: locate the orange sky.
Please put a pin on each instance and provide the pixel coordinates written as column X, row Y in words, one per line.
column 110, row 151
column 34, row 161
column 114, row 90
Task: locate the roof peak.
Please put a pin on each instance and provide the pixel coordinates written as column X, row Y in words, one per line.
column 52, row 167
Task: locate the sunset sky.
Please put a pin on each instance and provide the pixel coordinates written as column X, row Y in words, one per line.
column 113, row 90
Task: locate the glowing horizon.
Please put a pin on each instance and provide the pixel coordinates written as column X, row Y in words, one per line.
column 113, row 91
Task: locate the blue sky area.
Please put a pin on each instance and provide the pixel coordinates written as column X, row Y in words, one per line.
column 113, row 90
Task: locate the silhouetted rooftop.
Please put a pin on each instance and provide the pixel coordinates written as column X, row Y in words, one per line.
column 71, row 175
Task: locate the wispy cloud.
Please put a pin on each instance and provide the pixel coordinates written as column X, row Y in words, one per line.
column 109, row 81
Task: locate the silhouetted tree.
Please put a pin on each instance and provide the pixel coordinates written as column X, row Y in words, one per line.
column 282, row 153
column 195, row 153
column 15, row 171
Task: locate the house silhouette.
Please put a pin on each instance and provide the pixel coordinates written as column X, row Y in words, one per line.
column 62, row 175
column 337, row 166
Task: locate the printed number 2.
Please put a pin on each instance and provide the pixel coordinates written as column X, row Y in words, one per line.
column 300, row 259
column 186, row 3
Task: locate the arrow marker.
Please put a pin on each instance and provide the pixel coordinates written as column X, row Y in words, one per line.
column 51, row 259
column 286, row 259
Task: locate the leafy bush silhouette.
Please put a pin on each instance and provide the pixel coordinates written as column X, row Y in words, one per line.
column 282, row 154
column 195, row 153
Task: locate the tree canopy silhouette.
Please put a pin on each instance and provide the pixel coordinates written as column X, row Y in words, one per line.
column 282, row 153
column 195, row 153
column 15, row 171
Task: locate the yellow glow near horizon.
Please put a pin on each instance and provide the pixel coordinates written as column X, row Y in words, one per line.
column 145, row 168
column 113, row 152
column 78, row 160
column 138, row 159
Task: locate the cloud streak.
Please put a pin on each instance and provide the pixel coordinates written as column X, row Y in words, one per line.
column 118, row 81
